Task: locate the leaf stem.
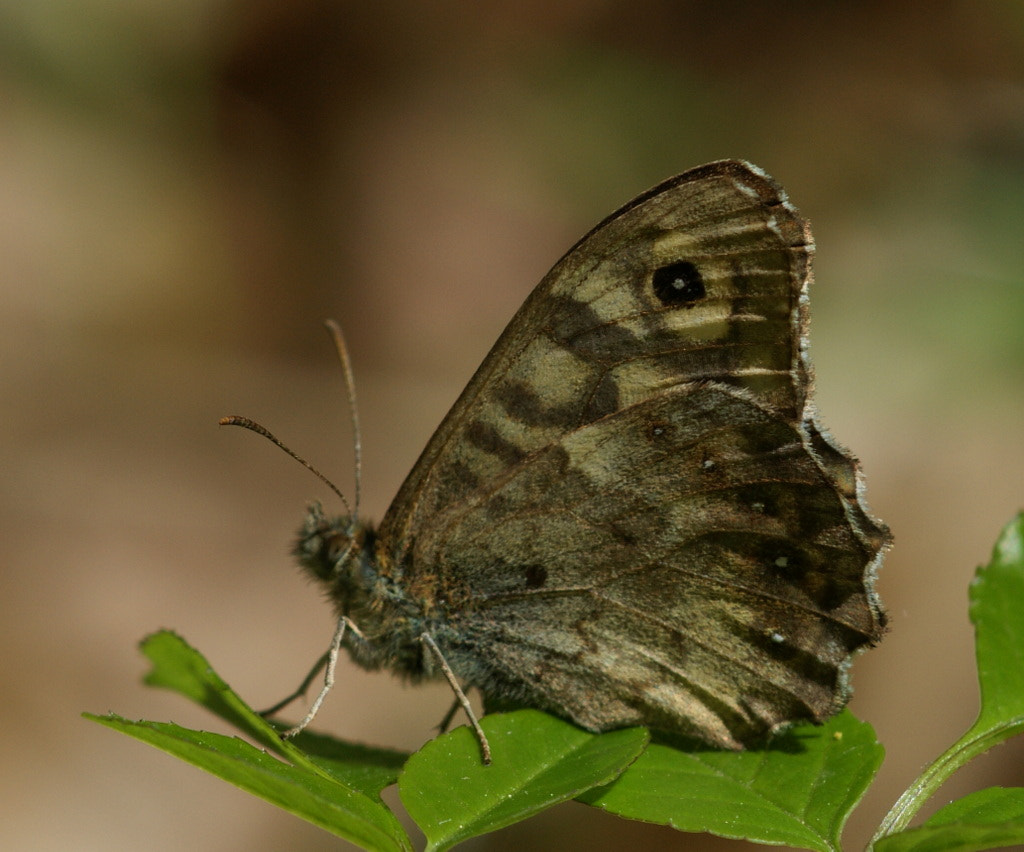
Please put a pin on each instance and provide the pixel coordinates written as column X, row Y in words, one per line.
column 973, row 743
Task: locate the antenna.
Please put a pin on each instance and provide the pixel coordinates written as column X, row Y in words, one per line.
column 253, row 426
column 334, row 330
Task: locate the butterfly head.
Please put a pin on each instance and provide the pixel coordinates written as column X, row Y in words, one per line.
column 385, row 626
column 333, row 550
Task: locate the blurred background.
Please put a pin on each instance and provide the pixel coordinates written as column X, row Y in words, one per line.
column 188, row 189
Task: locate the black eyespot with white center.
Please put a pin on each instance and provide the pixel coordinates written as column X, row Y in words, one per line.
column 678, row 284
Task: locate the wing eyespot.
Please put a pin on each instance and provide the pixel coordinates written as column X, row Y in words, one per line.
column 678, row 283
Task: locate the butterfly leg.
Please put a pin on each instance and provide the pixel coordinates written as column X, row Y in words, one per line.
column 302, row 689
column 330, row 659
column 460, row 696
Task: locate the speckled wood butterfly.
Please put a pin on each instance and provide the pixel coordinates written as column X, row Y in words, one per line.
column 631, row 515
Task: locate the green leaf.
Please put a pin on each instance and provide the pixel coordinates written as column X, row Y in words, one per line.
column 988, row 819
column 368, row 769
column 332, row 784
column 538, row 761
column 997, row 610
column 179, row 667
column 799, row 791
column 322, row 801
column 992, row 806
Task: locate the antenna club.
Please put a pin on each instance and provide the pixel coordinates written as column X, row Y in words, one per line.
column 236, row 420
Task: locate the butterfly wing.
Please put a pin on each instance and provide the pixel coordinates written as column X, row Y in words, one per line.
column 594, row 336
column 630, row 515
column 685, row 563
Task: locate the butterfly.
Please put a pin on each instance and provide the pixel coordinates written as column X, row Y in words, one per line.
column 631, row 514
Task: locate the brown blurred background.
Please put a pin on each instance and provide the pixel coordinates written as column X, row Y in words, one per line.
column 187, row 189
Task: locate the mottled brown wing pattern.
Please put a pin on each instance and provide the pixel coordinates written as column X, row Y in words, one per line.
column 594, row 336
column 685, row 563
column 630, row 515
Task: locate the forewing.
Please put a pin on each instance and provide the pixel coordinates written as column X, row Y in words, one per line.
column 699, row 279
